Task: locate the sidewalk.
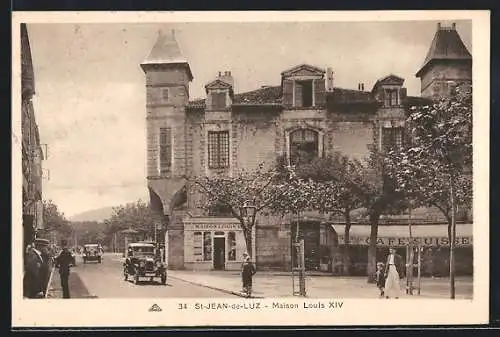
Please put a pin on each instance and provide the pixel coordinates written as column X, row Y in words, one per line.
column 76, row 287
column 279, row 284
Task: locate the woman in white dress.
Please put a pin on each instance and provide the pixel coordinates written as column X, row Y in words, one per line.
column 393, row 274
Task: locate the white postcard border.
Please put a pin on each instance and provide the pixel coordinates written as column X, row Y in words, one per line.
column 134, row 312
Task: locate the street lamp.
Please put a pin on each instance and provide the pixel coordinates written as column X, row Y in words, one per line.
column 249, row 210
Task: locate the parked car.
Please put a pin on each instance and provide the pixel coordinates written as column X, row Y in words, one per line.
column 92, row 252
column 143, row 261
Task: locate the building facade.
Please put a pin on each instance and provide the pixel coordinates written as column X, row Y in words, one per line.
column 32, row 154
column 306, row 116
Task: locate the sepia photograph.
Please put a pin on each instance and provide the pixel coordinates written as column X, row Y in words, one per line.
column 212, row 169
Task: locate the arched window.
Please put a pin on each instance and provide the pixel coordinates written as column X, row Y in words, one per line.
column 304, row 146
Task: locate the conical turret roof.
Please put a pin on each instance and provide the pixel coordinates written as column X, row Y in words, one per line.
column 446, row 45
column 166, row 50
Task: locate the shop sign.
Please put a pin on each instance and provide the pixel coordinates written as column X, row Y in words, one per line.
column 212, row 226
column 395, row 241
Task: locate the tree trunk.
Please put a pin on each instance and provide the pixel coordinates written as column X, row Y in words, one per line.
column 248, row 241
column 347, row 250
column 452, row 241
column 371, row 267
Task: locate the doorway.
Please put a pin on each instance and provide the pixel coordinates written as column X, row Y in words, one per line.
column 219, row 253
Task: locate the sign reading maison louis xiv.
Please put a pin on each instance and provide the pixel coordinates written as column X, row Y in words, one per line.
column 394, row 241
column 212, row 226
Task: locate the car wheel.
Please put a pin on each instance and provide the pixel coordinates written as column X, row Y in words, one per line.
column 164, row 279
column 136, row 278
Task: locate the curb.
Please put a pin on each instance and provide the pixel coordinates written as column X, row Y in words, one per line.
column 237, row 293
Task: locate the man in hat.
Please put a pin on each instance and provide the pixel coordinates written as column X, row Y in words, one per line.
column 393, row 272
column 32, row 277
column 63, row 262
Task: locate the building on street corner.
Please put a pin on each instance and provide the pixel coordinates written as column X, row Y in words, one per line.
column 306, row 113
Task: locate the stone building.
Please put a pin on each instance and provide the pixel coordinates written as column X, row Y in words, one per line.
column 228, row 131
column 32, row 154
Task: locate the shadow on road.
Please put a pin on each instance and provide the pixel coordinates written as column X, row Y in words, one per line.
column 151, row 283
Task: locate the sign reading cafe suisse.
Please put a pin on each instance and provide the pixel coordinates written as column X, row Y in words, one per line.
column 398, row 241
column 212, row 226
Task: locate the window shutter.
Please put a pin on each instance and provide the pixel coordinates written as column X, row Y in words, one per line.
column 319, row 93
column 287, row 92
column 402, row 94
column 298, row 94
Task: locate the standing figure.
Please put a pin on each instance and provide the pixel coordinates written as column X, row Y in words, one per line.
column 63, row 262
column 247, row 272
column 46, row 266
column 380, row 278
column 32, row 276
column 393, row 274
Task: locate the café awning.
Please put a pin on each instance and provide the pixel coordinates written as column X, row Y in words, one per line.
column 398, row 235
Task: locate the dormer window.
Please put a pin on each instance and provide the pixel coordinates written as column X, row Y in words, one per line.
column 391, row 97
column 219, row 92
column 303, row 87
column 218, row 100
column 304, row 93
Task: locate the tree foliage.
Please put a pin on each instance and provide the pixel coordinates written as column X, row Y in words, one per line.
column 54, row 220
column 232, row 192
column 136, row 215
column 439, row 154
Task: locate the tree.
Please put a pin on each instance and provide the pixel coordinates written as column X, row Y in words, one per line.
column 54, row 220
column 136, row 215
column 231, row 192
column 343, row 183
column 435, row 169
column 334, row 193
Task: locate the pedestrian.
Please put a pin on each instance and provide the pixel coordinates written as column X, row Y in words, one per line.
column 63, row 262
column 380, row 278
column 46, row 265
column 32, row 276
column 393, row 274
column 247, row 272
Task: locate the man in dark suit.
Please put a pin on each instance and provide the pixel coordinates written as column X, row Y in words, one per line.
column 393, row 272
column 63, row 262
column 32, row 277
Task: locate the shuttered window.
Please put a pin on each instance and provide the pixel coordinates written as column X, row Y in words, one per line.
column 218, row 100
column 165, row 151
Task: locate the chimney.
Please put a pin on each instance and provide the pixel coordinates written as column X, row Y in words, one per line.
column 227, row 77
column 329, row 79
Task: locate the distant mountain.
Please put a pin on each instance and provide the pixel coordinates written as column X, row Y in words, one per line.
column 98, row 214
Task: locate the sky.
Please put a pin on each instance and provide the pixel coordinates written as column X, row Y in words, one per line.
column 90, row 90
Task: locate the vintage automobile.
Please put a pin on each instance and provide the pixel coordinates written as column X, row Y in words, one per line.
column 142, row 261
column 92, row 252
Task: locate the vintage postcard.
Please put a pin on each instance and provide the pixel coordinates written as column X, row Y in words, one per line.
column 250, row 168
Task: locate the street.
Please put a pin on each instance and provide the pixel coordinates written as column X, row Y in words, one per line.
column 105, row 280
